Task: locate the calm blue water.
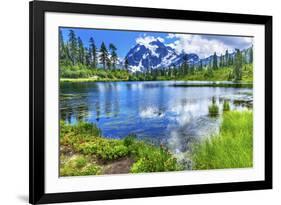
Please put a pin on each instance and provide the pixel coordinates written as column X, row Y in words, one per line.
column 154, row 111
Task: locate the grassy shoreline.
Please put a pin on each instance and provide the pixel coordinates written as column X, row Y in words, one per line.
column 231, row 148
column 85, row 74
column 83, row 150
column 214, row 83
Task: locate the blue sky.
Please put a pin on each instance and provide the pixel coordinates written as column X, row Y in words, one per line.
column 203, row 45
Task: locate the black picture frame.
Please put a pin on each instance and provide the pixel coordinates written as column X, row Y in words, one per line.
column 37, row 11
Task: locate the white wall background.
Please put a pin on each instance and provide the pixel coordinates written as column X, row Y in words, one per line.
column 14, row 100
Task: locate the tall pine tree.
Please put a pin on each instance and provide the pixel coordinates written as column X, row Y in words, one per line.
column 81, row 51
column 61, row 46
column 103, row 55
column 215, row 61
column 72, row 47
column 226, row 58
column 113, row 54
column 238, row 65
column 251, row 54
column 93, row 53
column 126, row 64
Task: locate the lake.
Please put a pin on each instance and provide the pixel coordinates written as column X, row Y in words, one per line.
column 157, row 111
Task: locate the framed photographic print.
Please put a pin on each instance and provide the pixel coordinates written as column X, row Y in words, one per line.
column 140, row 102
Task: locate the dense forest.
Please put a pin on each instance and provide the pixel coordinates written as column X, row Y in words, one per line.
column 90, row 63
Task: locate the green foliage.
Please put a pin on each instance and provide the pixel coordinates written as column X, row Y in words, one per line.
column 81, row 128
column 80, row 62
column 213, row 108
column 93, row 59
column 226, row 106
column 69, row 72
column 129, row 140
column 113, row 54
column 103, row 55
column 153, row 159
column 84, row 139
column 106, row 149
column 78, row 165
column 237, row 70
column 215, row 61
column 231, row 148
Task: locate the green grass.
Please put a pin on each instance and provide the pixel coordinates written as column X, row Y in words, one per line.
column 84, row 151
column 78, row 165
column 221, row 74
column 231, row 148
column 83, row 73
column 85, row 140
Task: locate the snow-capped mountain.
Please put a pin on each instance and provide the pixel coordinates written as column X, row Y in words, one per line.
column 156, row 55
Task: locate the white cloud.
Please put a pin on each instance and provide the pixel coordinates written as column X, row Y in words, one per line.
column 146, row 40
column 205, row 46
column 170, row 35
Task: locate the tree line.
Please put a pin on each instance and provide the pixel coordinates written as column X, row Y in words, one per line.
column 235, row 61
column 73, row 52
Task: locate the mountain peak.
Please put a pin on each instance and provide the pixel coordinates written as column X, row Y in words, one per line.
column 152, row 53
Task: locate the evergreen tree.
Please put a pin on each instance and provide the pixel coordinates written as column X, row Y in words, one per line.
column 72, row 42
column 87, row 57
column 221, row 61
column 61, row 46
column 192, row 69
column 126, row 64
column 226, row 58
column 81, row 51
column 93, row 53
column 67, row 53
column 238, row 65
column 113, row 54
column 103, row 55
column 170, row 71
column 251, row 54
column 230, row 60
column 108, row 63
column 185, row 66
column 200, row 65
column 215, row 61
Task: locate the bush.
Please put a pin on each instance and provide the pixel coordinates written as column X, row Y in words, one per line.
column 226, row 106
column 213, row 108
column 84, row 139
column 129, row 140
column 153, row 159
column 105, row 149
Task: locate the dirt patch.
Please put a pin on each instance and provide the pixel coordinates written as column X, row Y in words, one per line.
column 120, row 166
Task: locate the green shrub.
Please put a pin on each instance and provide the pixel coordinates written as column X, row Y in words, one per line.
column 153, row 159
column 226, row 106
column 84, row 139
column 106, row 149
column 129, row 140
column 213, row 108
